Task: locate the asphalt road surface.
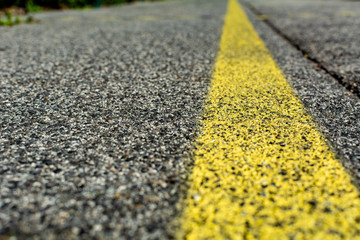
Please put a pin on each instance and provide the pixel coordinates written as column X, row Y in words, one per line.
column 99, row 109
column 98, row 112
column 326, row 30
column 335, row 107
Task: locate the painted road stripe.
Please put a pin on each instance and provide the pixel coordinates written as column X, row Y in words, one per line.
column 262, row 170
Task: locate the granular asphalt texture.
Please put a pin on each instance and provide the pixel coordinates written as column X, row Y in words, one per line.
column 262, row 170
column 99, row 108
column 98, row 112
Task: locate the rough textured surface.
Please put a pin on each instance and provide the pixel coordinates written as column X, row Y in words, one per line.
column 327, row 30
column 98, row 111
column 335, row 109
column 262, row 169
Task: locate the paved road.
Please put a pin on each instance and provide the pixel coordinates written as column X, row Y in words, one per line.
column 336, row 110
column 327, row 31
column 262, row 170
column 99, row 110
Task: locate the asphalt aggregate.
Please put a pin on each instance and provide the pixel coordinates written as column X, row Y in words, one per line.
column 326, row 30
column 98, row 111
column 99, row 108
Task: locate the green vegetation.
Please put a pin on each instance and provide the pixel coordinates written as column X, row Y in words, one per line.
column 10, row 10
column 39, row 5
column 8, row 20
column 32, row 7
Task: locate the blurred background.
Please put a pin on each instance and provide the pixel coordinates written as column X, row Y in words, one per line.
column 14, row 12
column 39, row 5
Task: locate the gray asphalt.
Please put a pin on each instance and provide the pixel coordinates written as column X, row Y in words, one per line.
column 326, row 30
column 99, row 109
column 98, row 112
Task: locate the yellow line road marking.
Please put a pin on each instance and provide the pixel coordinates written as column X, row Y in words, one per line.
column 262, row 170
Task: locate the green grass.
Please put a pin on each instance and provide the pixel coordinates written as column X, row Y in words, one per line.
column 30, row 6
column 39, row 5
column 9, row 20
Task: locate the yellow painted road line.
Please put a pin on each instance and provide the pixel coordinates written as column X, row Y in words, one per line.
column 262, row 170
